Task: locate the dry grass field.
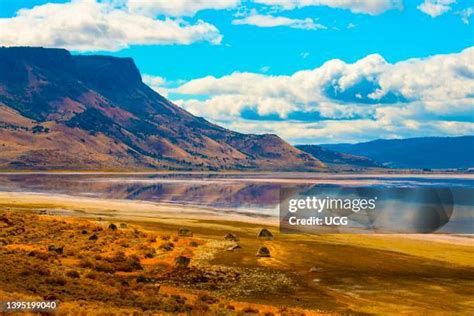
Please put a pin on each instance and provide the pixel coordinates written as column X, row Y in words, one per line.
column 108, row 264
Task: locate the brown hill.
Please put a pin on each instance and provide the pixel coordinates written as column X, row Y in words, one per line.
column 59, row 111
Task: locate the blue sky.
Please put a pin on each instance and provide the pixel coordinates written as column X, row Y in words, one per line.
column 223, row 59
column 395, row 35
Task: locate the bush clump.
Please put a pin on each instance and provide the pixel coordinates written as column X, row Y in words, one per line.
column 56, row 281
column 73, row 274
column 250, row 310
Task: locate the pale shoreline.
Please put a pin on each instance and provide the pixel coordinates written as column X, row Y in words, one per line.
column 145, row 211
column 125, row 209
column 301, row 175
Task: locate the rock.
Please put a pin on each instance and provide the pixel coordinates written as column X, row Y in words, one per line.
column 265, row 234
column 263, row 252
column 168, row 246
column 182, row 262
column 58, row 250
column 235, row 248
column 185, row 232
column 113, row 227
column 315, row 269
column 193, row 244
column 231, row 237
column 93, row 237
column 84, row 231
column 123, row 225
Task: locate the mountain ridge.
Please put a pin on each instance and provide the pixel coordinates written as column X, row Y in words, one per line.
column 331, row 157
column 418, row 152
column 89, row 112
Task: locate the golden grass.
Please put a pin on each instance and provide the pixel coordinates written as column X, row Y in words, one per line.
column 309, row 274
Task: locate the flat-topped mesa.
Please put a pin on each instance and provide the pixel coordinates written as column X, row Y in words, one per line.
column 98, row 72
column 99, row 114
column 107, row 73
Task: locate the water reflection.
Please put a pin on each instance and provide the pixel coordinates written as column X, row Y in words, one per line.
column 258, row 191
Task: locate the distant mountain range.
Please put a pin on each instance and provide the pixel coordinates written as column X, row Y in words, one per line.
column 338, row 159
column 419, row 153
column 59, row 111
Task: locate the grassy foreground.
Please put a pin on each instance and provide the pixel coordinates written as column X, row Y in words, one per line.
column 138, row 266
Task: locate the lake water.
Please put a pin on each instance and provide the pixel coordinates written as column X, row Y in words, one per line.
column 249, row 193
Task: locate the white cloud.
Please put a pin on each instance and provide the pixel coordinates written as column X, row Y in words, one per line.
column 157, row 83
column 350, row 131
column 86, row 25
column 466, row 15
column 304, row 55
column 372, row 7
column 274, row 21
column 368, row 99
column 153, row 81
column 435, row 8
column 351, row 26
column 178, row 7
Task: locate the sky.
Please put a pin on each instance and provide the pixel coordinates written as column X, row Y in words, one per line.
column 311, row 71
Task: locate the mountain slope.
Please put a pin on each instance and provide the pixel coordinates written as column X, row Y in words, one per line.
column 331, row 157
column 425, row 152
column 59, row 111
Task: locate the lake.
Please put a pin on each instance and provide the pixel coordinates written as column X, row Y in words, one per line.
column 248, row 194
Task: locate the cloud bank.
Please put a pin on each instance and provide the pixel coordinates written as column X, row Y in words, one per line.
column 370, row 98
column 87, row 25
column 112, row 25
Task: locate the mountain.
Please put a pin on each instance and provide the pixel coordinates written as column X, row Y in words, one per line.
column 419, row 153
column 331, row 157
column 60, row 111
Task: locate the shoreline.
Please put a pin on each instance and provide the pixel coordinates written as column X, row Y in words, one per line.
column 147, row 211
column 364, row 173
column 121, row 208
